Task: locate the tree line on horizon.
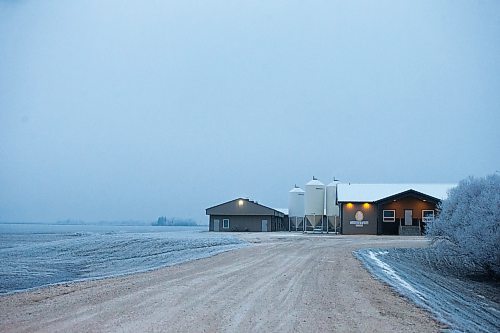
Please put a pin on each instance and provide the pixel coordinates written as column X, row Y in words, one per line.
column 172, row 221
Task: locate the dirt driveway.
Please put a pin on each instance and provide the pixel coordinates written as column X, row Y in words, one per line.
column 286, row 282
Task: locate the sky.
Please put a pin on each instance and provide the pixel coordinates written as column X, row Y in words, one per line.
column 130, row 110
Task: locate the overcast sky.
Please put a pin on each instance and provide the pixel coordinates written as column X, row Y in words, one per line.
column 120, row 110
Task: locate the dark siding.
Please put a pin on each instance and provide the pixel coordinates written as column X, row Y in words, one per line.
column 245, row 215
column 373, row 214
column 370, row 215
column 246, row 223
column 388, row 228
column 415, row 204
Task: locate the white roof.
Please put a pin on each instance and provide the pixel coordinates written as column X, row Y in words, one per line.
column 375, row 192
column 297, row 189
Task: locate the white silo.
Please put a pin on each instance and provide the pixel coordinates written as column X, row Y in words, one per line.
column 295, row 207
column 332, row 209
column 314, row 201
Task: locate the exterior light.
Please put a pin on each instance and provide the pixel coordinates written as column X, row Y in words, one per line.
column 366, row 205
column 424, row 200
column 350, row 205
column 240, row 202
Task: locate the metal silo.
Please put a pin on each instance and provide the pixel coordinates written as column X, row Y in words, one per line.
column 332, row 209
column 314, row 201
column 295, row 207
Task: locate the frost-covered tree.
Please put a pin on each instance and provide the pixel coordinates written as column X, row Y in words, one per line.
column 466, row 233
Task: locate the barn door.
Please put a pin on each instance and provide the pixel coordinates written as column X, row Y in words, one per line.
column 216, row 225
column 264, row 225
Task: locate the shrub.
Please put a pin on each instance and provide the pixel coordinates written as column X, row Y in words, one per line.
column 466, row 232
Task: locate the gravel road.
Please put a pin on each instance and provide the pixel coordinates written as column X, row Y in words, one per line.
column 285, row 282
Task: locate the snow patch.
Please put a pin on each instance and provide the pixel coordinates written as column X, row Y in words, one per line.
column 391, row 273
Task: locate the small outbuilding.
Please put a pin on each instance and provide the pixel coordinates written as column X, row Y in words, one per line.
column 388, row 209
column 244, row 215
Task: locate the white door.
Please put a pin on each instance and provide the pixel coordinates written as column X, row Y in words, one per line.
column 216, row 225
column 408, row 217
column 264, row 225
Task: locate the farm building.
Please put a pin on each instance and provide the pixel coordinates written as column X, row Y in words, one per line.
column 388, row 209
column 244, row 215
column 371, row 209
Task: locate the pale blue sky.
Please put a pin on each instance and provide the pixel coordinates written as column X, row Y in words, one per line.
column 113, row 110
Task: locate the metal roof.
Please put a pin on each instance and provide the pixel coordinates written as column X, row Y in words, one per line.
column 282, row 210
column 249, row 207
column 375, row 192
column 315, row 182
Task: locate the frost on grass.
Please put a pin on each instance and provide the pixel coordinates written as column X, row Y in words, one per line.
column 32, row 259
column 465, row 237
column 464, row 304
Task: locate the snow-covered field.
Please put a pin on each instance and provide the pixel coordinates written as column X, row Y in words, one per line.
column 464, row 304
column 36, row 255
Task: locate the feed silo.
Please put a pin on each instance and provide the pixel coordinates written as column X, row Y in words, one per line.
column 332, row 209
column 295, row 207
column 314, row 202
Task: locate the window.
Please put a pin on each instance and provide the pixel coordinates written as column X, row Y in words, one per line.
column 427, row 215
column 225, row 223
column 389, row 215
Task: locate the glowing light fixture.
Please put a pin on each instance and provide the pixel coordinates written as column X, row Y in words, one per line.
column 366, row 205
column 350, row 205
column 240, row 202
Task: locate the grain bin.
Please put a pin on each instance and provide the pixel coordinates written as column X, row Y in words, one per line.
column 314, row 201
column 296, row 202
column 332, row 209
column 295, row 206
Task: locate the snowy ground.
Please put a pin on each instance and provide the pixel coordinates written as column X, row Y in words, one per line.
column 465, row 305
column 284, row 282
column 37, row 255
